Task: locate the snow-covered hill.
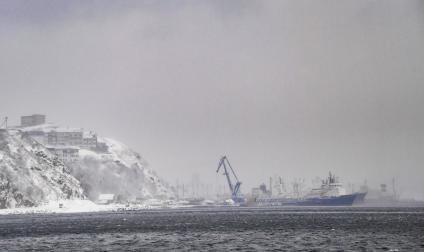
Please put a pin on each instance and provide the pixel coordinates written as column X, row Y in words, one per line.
column 120, row 171
column 30, row 174
column 117, row 169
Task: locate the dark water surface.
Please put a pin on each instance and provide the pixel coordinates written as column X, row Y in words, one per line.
column 244, row 229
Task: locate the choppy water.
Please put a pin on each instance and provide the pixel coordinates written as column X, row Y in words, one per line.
column 245, row 229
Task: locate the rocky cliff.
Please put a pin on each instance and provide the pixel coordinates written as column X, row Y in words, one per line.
column 30, row 174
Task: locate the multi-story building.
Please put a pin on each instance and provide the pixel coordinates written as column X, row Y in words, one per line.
column 32, row 120
column 65, row 153
column 102, row 147
column 89, row 140
column 65, row 136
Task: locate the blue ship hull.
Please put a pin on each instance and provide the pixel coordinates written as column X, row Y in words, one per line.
column 344, row 200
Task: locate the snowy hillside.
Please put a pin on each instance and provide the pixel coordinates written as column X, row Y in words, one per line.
column 115, row 169
column 119, row 171
column 30, row 174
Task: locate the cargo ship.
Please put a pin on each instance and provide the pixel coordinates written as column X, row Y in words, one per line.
column 330, row 193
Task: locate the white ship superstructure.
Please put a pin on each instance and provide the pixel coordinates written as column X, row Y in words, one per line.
column 329, row 188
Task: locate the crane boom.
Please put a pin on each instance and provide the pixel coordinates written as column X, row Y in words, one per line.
column 234, row 188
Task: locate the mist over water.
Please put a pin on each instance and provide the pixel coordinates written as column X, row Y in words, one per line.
column 292, row 88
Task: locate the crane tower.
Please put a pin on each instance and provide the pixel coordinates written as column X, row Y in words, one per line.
column 225, row 165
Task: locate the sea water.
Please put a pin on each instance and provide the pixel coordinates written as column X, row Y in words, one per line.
column 219, row 229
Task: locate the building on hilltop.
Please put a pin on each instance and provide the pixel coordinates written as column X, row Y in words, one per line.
column 65, row 136
column 58, row 137
column 32, row 120
column 75, row 137
column 89, row 140
column 65, row 153
column 102, row 147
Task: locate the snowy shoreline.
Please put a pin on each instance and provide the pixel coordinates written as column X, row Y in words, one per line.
column 87, row 206
column 71, row 206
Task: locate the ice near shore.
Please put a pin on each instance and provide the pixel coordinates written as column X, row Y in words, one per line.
column 32, row 177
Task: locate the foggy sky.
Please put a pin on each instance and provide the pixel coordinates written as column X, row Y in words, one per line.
column 295, row 88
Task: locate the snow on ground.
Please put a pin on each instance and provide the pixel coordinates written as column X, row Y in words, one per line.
column 75, row 206
column 47, row 127
column 42, row 127
column 87, row 206
column 60, row 206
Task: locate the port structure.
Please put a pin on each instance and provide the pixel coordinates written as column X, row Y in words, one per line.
column 225, row 165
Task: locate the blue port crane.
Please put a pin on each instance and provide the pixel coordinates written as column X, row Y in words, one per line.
column 225, row 165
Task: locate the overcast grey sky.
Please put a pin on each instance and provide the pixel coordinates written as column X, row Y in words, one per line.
column 295, row 88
